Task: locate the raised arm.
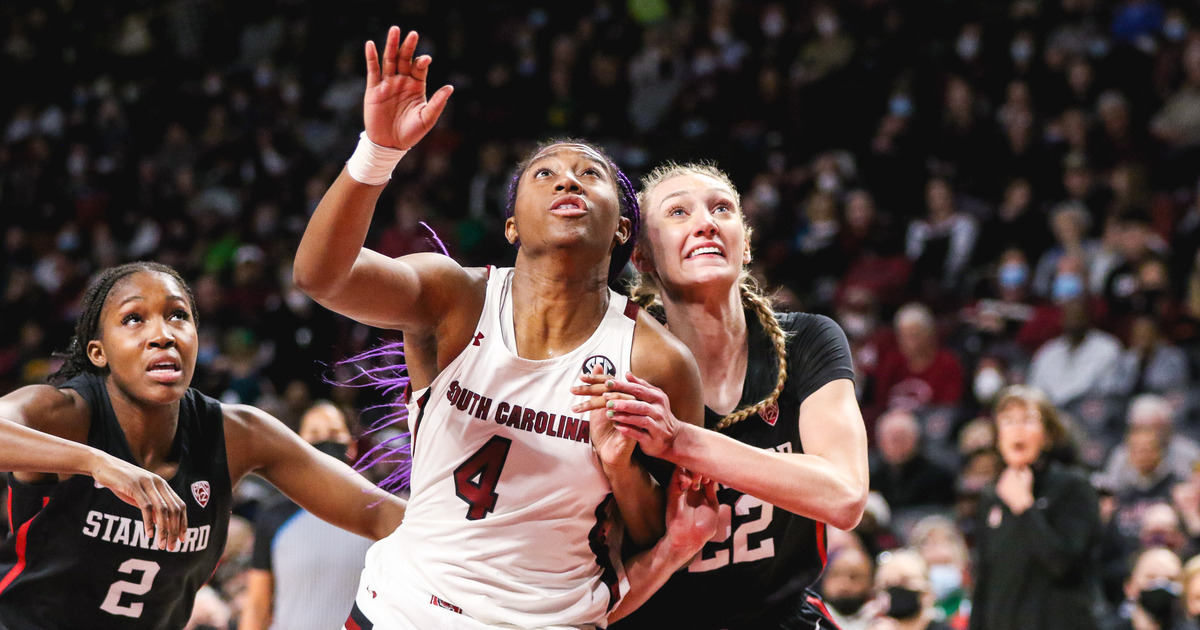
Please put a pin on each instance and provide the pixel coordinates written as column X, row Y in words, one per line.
column 331, row 264
column 331, row 490
column 43, row 431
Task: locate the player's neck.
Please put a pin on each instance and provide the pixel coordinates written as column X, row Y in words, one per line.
column 553, row 313
column 716, row 333
column 149, row 429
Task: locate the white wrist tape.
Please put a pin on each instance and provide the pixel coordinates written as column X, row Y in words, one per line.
column 372, row 164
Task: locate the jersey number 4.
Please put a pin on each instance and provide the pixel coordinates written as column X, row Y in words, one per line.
column 112, row 603
column 720, row 552
column 475, row 479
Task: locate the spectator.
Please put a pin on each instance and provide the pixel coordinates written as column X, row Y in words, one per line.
column 904, row 598
column 846, row 588
column 938, row 539
column 1151, row 593
column 903, row 474
column 941, row 244
column 1076, row 363
column 920, row 373
column 1150, row 364
column 1156, row 415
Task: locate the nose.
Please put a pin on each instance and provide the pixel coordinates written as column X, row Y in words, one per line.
column 161, row 336
column 566, row 182
column 704, row 224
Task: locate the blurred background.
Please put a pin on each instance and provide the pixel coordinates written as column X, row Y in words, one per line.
column 964, row 186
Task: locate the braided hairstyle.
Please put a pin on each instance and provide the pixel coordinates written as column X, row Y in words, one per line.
column 87, row 327
column 626, row 195
column 645, row 293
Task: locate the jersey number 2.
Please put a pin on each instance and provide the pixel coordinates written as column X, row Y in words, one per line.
column 740, row 550
column 112, row 603
column 475, row 479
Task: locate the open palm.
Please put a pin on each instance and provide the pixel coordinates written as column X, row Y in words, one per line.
column 395, row 110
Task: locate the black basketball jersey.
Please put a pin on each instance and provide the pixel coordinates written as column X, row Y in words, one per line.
column 79, row 557
column 756, row 576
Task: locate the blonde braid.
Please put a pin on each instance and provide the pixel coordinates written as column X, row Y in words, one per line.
column 753, row 298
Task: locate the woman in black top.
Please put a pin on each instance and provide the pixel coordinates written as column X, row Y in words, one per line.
column 122, row 476
column 1038, row 529
column 784, row 436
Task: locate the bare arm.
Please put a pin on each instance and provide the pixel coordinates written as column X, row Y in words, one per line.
column 331, row 490
column 828, row 482
column 662, row 359
column 331, row 263
column 691, row 522
column 42, row 432
column 256, row 605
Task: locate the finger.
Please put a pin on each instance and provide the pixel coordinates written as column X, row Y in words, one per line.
column 437, row 103
column 404, row 56
column 591, row 404
column 147, row 509
column 391, row 52
column 710, row 492
column 178, row 511
column 373, row 75
column 641, row 391
column 634, row 407
column 420, row 67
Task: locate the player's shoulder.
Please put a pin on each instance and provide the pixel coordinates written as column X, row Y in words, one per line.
column 655, row 348
column 60, row 412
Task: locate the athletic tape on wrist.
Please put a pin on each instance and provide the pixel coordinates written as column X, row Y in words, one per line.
column 372, row 164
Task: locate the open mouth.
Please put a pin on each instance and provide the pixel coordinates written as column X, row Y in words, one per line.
column 706, row 250
column 569, row 205
column 167, row 371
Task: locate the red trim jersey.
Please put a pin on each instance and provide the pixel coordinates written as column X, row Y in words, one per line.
column 754, row 574
column 80, row 557
column 511, row 519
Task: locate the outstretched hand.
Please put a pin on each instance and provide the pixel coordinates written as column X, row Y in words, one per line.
column 395, row 111
column 164, row 514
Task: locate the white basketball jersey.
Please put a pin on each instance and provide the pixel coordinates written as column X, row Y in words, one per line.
column 511, row 518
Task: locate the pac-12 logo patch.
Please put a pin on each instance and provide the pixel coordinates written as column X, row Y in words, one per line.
column 770, row 413
column 201, row 490
column 590, row 363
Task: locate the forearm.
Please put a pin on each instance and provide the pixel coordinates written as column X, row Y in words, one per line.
column 25, row 450
column 804, row 484
column 648, row 571
column 640, row 501
column 335, row 236
column 256, row 607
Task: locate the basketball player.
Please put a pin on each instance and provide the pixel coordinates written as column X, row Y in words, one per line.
column 511, row 517
column 120, row 492
column 784, row 435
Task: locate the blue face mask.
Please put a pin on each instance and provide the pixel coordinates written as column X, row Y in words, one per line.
column 1013, row 275
column 1067, row 287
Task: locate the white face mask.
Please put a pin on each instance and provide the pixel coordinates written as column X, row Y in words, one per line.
column 944, row 579
column 988, row 383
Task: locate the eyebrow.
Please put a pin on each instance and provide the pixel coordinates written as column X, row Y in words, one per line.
column 170, row 298
column 685, row 191
column 584, row 154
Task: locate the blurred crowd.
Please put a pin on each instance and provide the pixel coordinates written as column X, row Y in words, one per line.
column 980, row 193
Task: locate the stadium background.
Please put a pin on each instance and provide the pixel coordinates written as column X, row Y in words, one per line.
column 887, row 152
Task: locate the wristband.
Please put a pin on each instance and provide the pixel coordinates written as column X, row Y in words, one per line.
column 372, row 164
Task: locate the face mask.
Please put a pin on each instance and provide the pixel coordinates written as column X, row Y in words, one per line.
column 1021, row 50
column 1066, row 287
column 827, row 25
column 987, row 384
column 1175, row 30
column 903, row 603
column 1159, row 601
column 335, row 449
column 828, row 182
column 1013, row 275
column 848, row 605
column 967, row 47
column 900, row 105
column 944, row 579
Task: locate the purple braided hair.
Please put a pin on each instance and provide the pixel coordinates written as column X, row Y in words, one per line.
column 626, row 193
